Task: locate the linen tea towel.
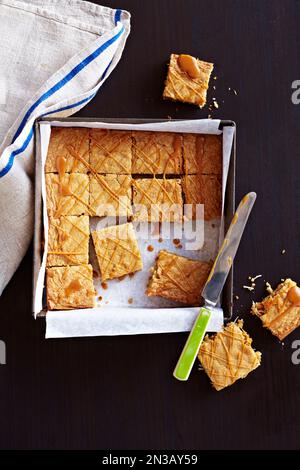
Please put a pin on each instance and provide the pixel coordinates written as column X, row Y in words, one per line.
column 54, row 56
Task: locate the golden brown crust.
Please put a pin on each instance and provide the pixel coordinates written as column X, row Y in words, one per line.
column 228, row 356
column 110, row 151
column 178, row 278
column 110, row 195
column 156, row 153
column 202, row 154
column 69, row 143
column 68, row 195
column 70, row 287
column 212, row 155
column 203, row 189
column 117, row 251
column 68, row 241
column 277, row 312
column 157, row 199
column 181, row 87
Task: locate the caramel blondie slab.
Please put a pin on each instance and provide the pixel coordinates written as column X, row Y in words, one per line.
column 68, row 241
column 202, row 154
column 68, row 150
column 70, row 287
column 156, row 153
column 178, row 278
column 68, row 195
column 117, row 251
column 206, row 190
column 110, row 151
column 157, row 200
column 187, row 79
column 110, row 195
column 280, row 311
column 228, row 356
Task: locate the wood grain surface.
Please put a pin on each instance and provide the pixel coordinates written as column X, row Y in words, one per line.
column 119, row 393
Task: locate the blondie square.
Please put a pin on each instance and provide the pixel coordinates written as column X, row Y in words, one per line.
column 202, row 154
column 110, row 151
column 156, row 153
column 187, row 79
column 68, row 150
column 110, row 195
column 204, row 189
column 68, row 240
column 178, row 278
column 157, row 200
column 70, row 287
column 68, row 195
column 228, row 356
column 280, row 311
column 117, row 251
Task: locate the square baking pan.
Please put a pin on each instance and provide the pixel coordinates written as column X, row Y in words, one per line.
column 229, row 202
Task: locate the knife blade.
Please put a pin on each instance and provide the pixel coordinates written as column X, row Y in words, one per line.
column 214, row 285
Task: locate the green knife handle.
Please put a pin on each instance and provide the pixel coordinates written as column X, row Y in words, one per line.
column 191, row 348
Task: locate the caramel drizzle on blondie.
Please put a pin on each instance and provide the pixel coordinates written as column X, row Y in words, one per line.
column 118, row 245
column 154, row 164
column 232, row 366
column 71, row 255
column 102, row 147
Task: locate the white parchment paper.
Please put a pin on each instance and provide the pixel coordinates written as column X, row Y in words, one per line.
column 114, row 315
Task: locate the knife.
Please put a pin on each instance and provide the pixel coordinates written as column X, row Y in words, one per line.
column 214, row 285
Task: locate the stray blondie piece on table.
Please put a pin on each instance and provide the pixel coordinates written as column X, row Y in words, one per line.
column 228, row 356
column 187, row 79
column 280, row 311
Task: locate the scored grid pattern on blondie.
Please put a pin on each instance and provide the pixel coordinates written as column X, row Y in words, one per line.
column 228, row 356
column 180, row 86
column 69, row 194
column 117, row 251
column 68, row 241
column 178, row 278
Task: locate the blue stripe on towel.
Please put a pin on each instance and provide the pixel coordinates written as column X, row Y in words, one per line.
column 30, row 135
column 65, row 80
column 118, row 15
column 50, row 92
column 6, row 169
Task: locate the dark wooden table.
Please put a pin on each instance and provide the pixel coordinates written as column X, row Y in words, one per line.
column 113, row 393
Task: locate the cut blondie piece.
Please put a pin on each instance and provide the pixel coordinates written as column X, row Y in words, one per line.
column 228, row 356
column 187, row 79
column 280, row 311
column 68, row 195
column 117, row 251
column 110, row 195
column 204, row 189
column 110, row 151
column 70, row 287
column 178, row 278
column 156, row 153
column 68, row 150
column 68, row 241
column 202, row 154
column 157, row 200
